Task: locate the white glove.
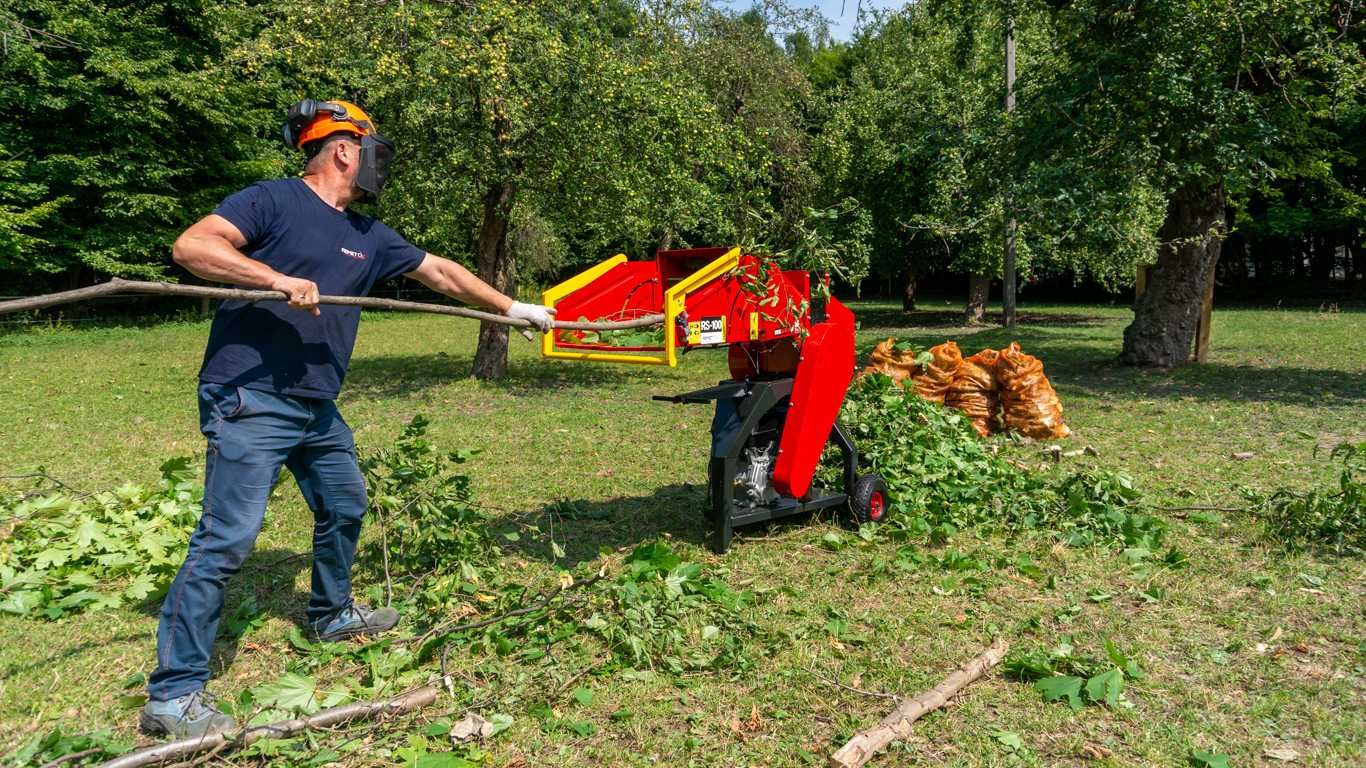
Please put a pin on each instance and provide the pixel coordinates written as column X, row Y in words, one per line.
column 541, row 317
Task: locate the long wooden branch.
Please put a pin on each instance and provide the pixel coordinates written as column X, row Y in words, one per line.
column 118, row 286
column 406, row 702
column 897, row 725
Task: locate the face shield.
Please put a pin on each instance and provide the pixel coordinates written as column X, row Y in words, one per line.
column 375, row 154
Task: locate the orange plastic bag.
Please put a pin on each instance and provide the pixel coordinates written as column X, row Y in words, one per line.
column 887, row 359
column 933, row 382
column 975, row 392
column 1030, row 404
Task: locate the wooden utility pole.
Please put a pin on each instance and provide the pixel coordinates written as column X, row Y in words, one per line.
column 1008, row 266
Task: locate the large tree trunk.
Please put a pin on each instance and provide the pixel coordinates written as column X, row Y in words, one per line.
column 495, row 264
column 979, row 288
column 909, row 291
column 1167, row 315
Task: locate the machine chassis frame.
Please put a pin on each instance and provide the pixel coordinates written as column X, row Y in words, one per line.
column 756, row 399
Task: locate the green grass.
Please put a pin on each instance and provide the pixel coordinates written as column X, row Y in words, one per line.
column 1243, row 653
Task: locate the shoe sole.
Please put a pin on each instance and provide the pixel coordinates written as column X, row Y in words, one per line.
column 151, row 726
column 347, row 634
column 154, row 727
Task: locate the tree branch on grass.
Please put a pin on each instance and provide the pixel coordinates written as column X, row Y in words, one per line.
column 897, row 725
column 401, row 704
column 541, row 603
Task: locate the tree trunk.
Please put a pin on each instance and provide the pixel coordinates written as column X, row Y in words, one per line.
column 495, row 264
column 979, row 288
column 908, row 291
column 1167, row 315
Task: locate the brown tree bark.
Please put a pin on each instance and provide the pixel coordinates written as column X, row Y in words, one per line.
column 1167, row 315
column 494, row 261
column 979, row 288
column 897, row 725
column 909, row 291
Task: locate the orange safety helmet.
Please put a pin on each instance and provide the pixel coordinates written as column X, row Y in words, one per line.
column 309, row 121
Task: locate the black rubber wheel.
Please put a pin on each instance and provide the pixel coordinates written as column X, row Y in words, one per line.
column 869, row 500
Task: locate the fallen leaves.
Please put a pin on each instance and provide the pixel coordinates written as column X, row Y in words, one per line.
column 747, row 727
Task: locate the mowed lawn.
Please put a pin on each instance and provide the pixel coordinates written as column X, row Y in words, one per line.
column 1249, row 649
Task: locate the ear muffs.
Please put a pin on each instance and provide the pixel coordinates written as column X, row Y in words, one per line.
column 302, row 114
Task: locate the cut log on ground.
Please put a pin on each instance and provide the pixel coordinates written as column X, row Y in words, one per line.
column 405, row 702
column 897, row 725
column 118, row 286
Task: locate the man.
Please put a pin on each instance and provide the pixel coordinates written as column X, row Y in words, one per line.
column 271, row 372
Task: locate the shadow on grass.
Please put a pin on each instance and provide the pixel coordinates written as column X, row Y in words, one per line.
column 583, row 528
column 382, row 377
column 676, row 512
column 264, row 588
column 871, row 318
column 1081, row 360
column 16, row 668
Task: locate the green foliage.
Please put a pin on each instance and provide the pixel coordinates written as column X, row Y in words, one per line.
column 1141, row 99
column 919, row 136
column 429, row 522
column 1060, row 675
column 122, row 129
column 657, row 610
column 46, row 747
column 660, row 609
column 62, row 553
column 830, row 241
column 1333, row 519
column 941, row 478
column 1203, row 759
column 626, row 337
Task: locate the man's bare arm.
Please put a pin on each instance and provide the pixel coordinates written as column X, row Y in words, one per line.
column 209, row 250
column 450, row 278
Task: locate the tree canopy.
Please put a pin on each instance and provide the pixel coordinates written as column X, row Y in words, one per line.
column 539, row 136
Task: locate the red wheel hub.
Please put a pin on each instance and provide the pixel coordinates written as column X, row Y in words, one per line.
column 875, row 504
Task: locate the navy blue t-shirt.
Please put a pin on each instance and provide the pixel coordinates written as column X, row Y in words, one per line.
column 271, row 346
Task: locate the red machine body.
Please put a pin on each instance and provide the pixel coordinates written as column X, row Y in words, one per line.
column 824, row 370
column 791, row 359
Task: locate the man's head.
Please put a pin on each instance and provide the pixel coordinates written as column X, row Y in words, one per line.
column 339, row 139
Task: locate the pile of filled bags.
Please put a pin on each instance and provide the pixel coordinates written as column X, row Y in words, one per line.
column 996, row 389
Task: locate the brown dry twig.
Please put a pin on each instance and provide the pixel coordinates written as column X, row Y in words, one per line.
column 118, row 286
column 403, row 703
column 897, row 725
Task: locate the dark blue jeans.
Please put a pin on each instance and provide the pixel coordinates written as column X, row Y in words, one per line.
column 251, row 434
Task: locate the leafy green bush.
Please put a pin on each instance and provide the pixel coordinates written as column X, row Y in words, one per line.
column 941, row 478
column 1333, row 519
column 651, row 606
column 62, row 553
column 430, row 530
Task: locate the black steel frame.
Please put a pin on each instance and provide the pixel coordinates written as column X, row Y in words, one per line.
column 757, row 398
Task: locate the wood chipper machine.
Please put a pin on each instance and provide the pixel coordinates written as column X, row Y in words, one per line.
column 791, row 359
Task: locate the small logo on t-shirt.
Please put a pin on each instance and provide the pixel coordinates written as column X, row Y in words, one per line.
column 357, row 255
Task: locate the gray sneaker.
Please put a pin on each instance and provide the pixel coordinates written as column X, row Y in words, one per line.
column 355, row 619
column 188, row 717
